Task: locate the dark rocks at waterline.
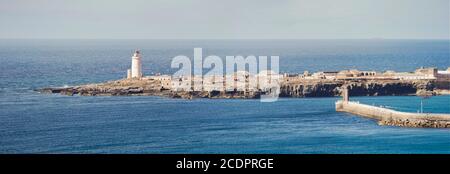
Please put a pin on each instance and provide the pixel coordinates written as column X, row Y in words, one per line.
column 215, row 94
column 310, row 90
column 70, row 91
column 416, row 123
column 378, row 89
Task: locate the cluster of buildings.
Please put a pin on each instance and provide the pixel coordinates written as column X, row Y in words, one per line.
column 240, row 80
column 419, row 74
column 244, row 81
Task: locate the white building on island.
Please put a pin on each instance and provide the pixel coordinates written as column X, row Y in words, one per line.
column 136, row 66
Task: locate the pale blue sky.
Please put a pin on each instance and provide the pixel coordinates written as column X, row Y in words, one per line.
column 225, row 19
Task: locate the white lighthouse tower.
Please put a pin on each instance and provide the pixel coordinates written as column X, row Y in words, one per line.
column 136, row 66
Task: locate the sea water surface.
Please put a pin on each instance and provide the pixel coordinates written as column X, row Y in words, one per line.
column 31, row 122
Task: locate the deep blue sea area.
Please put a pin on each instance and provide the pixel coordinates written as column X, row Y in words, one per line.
column 31, row 122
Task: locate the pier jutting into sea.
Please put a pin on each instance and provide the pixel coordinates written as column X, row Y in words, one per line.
column 391, row 117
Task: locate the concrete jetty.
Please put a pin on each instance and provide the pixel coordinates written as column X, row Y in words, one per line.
column 391, row 117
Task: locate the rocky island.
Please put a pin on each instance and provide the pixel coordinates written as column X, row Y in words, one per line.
column 290, row 85
column 243, row 85
column 309, row 88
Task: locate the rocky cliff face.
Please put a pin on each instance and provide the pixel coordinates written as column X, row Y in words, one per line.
column 376, row 88
column 317, row 89
column 356, row 88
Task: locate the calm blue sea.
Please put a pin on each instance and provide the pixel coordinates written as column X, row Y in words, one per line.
column 45, row 123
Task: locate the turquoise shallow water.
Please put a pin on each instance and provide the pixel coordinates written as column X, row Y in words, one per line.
column 45, row 123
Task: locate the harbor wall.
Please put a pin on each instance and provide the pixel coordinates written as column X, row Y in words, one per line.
column 395, row 118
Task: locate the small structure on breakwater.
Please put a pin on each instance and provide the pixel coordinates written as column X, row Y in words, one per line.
column 391, row 117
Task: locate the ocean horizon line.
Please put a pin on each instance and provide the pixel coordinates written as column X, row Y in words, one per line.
column 225, row 39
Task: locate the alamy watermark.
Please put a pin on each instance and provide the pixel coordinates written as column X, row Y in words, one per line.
column 249, row 75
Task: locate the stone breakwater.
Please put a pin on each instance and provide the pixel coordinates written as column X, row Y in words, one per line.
column 307, row 88
column 395, row 118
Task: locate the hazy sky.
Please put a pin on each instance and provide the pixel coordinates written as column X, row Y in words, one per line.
column 225, row 19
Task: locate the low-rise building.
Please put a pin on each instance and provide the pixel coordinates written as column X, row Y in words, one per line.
column 443, row 75
column 443, row 79
column 355, row 74
column 182, row 83
column 213, row 83
column 165, row 80
column 331, row 75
